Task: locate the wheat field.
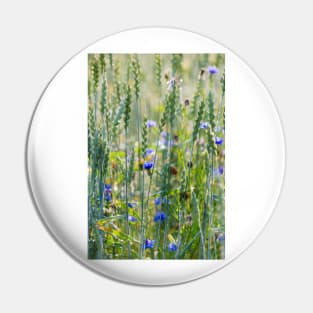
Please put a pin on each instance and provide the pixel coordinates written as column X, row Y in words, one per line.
column 156, row 156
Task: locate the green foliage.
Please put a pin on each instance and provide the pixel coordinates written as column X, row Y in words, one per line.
column 127, row 107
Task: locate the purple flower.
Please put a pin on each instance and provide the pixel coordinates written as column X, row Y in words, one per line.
column 159, row 216
column 108, row 197
column 163, row 134
column 217, row 128
column 130, row 205
column 149, row 244
column 218, row 140
column 171, row 84
column 157, row 201
column 204, row 125
column 163, row 140
column 107, row 187
column 148, row 165
column 172, row 246
column 218, row 171
column 149, row 151
column 151, row 123
column 131, row 219
column 212, row 70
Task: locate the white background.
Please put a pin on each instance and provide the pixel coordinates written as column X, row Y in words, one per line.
column 274, row 38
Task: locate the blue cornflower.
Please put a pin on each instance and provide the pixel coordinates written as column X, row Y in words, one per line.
column 218, row 171
column 130, row 205
column 148, row 165
column 149, row 244
column 204, row 125
column 149, row 151
column 108, row 197
column 157, row 201
column 218, row 140
column 159, row 216
column 172, row 246
column 151, row 123
column 212, row 70
column 132, row 219
column 108, row 186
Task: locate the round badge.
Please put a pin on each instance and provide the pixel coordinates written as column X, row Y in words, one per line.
column 155, row 156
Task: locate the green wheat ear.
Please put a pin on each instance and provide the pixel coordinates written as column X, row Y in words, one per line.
column 172, row 104
column 167, row 112
column 129, row 68
column 127, row 107
column 102, row 63
column 176, row 61
column 91, row 131
column 198, row 120
column 137, row 76
column 111, row 59
column 89, row 90
column 95, row 73
column 116, row 80
column 211, row 146
column 117, row 119
column 144, row 139
column 105, row 164
column 223, row 84
column 158, row 70
column 103, row 99
column 197, row 94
